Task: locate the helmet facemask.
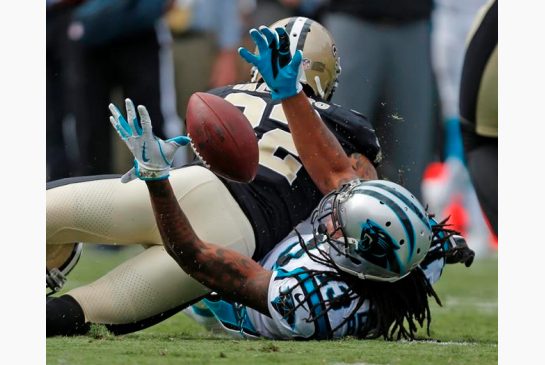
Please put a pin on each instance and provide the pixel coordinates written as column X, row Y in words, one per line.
column 372, row 250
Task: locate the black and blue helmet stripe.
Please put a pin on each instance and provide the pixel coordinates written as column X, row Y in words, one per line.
column 416, row 210
column 403, row 218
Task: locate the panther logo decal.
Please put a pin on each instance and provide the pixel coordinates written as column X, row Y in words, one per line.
column 378, row 247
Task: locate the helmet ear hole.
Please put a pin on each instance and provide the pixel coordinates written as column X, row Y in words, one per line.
column 322, row 228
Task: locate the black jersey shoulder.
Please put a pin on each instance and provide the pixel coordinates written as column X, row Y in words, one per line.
column 252, row 88
column 353, row 130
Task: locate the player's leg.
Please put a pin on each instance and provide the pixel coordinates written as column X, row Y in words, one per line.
column 99, row 209
column 482, row 163
column 151, row 286
column 409, row 126
column 89, row 83
column 361, row 46
column 56, row 41
column 92, row 209
column 142, row 291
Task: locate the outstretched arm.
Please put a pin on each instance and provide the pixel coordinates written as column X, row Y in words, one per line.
column 319, row 150
column 321, row 153
column 225, row 271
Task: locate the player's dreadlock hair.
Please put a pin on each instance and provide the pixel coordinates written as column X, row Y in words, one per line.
column 375, row 236
column 395, row 307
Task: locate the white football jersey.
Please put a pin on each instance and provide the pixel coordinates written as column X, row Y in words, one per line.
column 299, row 298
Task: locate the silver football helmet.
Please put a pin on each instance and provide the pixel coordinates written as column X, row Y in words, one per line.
column 378, row 229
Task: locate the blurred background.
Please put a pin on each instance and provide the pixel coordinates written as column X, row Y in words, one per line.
column 401, row 62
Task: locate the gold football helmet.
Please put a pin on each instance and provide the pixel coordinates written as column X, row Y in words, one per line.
column 60, row 260
column 321, row 65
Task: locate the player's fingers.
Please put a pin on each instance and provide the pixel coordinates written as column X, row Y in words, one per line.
column 283, row 40
column 120, row 119
column 248, row 56
column 118, row 128
column 129, row 176
column 284, row 55
column 259, row 40
column 295, row 62
column 180, row 140
column 145, row 120
column 281, row 31
column 131, row 116
column 270, row 35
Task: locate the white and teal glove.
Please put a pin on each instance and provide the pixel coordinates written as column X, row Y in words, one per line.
column 280, row 71
column 152, row 156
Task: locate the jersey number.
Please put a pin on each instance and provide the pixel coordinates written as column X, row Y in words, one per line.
column 254, row 108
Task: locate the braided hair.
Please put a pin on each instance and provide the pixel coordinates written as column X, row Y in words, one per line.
column 395, row 307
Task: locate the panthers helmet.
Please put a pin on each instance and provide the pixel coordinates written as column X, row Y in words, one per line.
column 321, row 65
column 379, row 231
column 60, row 260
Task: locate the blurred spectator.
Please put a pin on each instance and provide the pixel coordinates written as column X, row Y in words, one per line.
column 268, row 12
column 99, row 46
column 479, row 109
column 451, row 22
column 387, row 76
column 447, row 185
column 57, row 19
column 211, row 32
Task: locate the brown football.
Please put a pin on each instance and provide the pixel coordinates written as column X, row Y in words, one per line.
column 222, row 137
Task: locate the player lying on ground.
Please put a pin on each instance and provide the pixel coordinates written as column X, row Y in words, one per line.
column 359, row 272
column 249, row 218
column 151, row 286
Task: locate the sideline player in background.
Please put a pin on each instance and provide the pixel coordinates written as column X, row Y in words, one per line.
column 479, row 109
column 249, row 218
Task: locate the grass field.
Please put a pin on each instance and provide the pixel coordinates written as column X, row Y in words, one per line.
column 463, row 331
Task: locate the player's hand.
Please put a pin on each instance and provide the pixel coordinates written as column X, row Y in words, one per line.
column 459, row 251
column 152, row 156
column 280, row 71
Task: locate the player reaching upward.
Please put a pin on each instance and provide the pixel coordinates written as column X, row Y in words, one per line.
column 245, row 279
column 249, row 218
column 358, row 274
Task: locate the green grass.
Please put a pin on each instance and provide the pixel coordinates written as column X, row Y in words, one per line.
column 463, row 331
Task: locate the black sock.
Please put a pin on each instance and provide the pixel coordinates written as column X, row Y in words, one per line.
column 64, row 317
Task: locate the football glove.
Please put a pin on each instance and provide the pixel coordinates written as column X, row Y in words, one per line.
column 459, row 251
column 152, row 156
column 280, row 71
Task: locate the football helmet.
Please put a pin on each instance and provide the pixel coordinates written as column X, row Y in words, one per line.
column 321, row 65
column 378, row 229
column 60, row 260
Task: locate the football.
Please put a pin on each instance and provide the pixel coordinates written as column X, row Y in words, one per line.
column 222, row 137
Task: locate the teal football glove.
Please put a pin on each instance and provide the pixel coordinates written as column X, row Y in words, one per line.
column 280, row 71
column 152, row 156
